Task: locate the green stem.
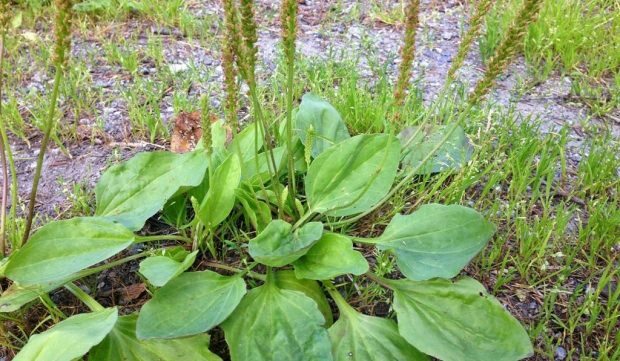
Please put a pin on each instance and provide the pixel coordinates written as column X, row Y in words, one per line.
column 163, row 237
column 90, row 271
column 48, row 127
column 380, row 280
column 3, row 145
column 84, row 297
column 342, row 304
column 247, row 271
column 300, row 222
column 271, row 161
column 289, row 116
column 375, row 240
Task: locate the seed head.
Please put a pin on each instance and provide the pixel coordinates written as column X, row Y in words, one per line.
column 407, row 51
column 507, row 48
column 62, row 31
column 475, row 24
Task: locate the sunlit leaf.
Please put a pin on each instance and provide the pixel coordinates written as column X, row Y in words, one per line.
column 276, row 324
column 220, row 198
column 456, row 321
column 158, row 270
column 357, row 337
column 133, row 191
column 121, row 344
column 278, row 245
column 331, row 256
column 353, row 175
column 287, row 280
column 62, row 248
column 69, row 339
column 318, row 116
column 190, row 304
column 436, row 240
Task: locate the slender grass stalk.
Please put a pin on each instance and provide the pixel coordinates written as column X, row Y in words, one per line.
column 507, row 48
column 61, row 50
column 475, row 24
column 407, row 52
column 289, row 34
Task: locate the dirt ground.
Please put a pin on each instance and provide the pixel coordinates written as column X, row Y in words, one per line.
column 320, row 31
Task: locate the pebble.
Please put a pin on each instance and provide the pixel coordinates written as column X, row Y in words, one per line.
column 177, row 68
column 560, row 353
column 447, row 35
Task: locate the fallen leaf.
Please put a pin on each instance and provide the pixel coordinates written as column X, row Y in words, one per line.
column 132, row 292
column 187, row 131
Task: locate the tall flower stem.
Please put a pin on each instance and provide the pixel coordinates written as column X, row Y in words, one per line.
column 289, row 34
column 61, row 48
column 407, row 53
column 3, row 146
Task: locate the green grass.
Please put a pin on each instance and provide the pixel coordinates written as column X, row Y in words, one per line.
column 580, row 39
column 554, row 258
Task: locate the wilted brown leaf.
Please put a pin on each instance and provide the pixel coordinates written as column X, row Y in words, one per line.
column 187, row 131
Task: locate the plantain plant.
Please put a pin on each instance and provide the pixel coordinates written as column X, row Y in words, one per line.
column 295, row 189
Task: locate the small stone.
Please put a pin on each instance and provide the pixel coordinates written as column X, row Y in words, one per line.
column 177, row 68
column 560, row 353
column 447, row 35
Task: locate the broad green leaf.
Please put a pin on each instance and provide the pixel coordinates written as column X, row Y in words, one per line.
column 277, row 245
column 259, row 165
column 62, row 248
column 358, row 337
column 14, row 297
column 287, row 280
column 161, row 269
column 276, row 324
column 69, row 339
column 220, row 198
column 451, row 155
column 192, row 303
column 133, row 191
column 331, row 256
column 246, row 142
column 257, row 212
column 121, row 344
column 436, row 240
column 175, row 211
column 353, row 175
column 317, row 116
column 456, row 321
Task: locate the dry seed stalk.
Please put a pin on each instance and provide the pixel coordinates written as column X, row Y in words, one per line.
column 475, row 24
column 231, row 43
column 62, row 47
column 507, row 48
column 248, row 30
column 288, row 19
column 407, row 51
column 205, row 123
